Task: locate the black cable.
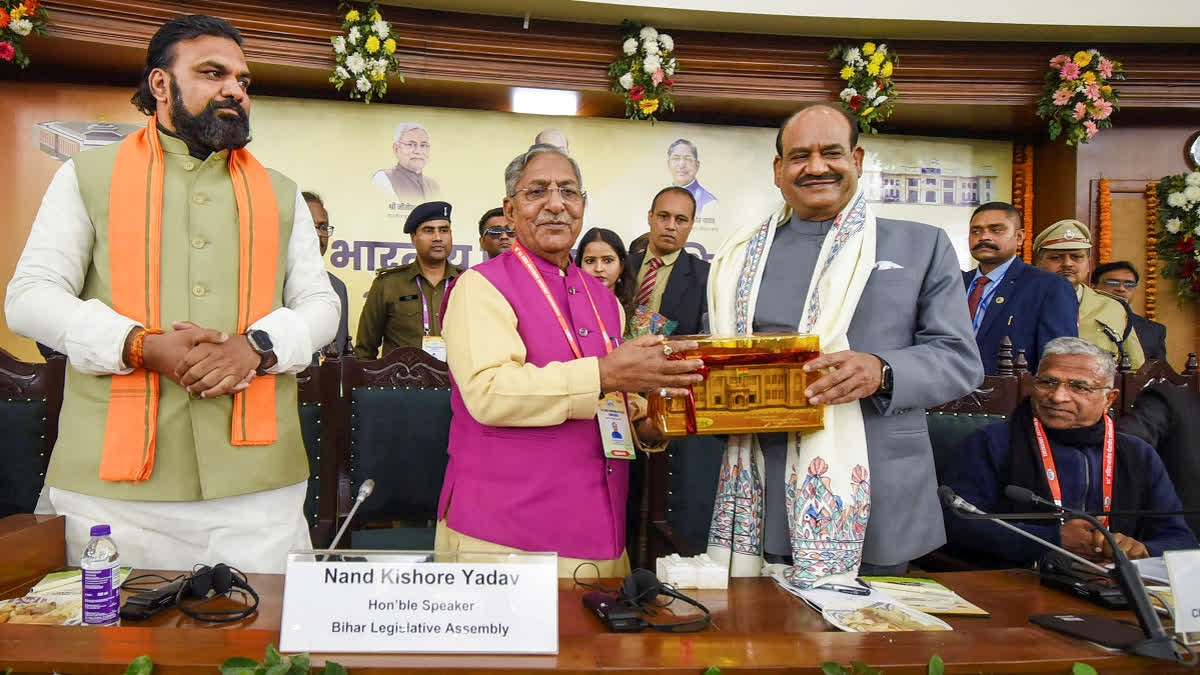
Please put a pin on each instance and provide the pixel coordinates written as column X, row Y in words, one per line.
column 129, row 584
column 591, row 587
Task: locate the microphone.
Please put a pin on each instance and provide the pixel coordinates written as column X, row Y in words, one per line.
column 1158, row 643
column 364, row 491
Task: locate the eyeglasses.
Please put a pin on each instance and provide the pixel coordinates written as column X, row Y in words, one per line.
column 1117, row 283
column 1048, row 385
column 325, row 229
column 681, row 159
column 569, row 195
column 413, row 145
column 495, row 232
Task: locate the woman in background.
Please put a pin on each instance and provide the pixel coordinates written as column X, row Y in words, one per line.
column 601, row 253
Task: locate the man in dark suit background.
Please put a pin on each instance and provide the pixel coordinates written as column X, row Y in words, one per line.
column 1007, row 297
column 341, row 344
column 1120, row 279
column 669, row 280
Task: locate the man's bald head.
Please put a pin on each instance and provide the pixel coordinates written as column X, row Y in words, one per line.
column 822, row 108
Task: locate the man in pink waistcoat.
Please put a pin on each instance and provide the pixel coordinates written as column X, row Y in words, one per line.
column 534, row 346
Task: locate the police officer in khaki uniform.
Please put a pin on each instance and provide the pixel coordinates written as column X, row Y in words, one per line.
column 404, row 305
column 1064, row 248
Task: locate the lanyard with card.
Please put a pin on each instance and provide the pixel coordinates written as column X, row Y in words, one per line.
column 612, row 414
column 1108, row 467
column 432, row 344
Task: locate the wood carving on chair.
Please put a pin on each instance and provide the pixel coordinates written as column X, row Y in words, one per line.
column 403, row 367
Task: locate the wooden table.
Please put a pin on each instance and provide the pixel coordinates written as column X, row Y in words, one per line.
column 757, row 627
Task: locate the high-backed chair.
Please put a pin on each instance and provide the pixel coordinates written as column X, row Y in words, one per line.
column 30, row 400
column 318, row 394
column 398, row 409
column 1131, row 383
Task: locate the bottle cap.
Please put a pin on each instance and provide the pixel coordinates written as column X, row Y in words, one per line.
column 101, row 530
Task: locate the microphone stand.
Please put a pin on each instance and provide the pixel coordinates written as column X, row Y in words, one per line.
column 364, row 491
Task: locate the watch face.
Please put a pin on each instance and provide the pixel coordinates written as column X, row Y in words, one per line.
column 260, row 341
column 1192, row 151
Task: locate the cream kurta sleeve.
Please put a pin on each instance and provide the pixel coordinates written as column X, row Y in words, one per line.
column 487, row 358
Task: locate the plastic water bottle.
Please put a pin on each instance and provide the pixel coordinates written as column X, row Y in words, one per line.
column 101, row 579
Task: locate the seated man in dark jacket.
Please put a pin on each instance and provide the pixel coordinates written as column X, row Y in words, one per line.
column 1066, row 414
column 1168, row 418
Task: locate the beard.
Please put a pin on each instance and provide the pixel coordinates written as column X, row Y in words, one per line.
column 208, row 130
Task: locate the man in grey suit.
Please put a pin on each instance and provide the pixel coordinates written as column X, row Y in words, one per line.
column 911, row 344
column 341, row 343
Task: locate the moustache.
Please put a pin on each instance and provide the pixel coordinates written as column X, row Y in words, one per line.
column 805, row 180
column 986, row 245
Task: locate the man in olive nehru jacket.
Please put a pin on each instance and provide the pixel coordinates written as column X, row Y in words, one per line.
column 184, row 283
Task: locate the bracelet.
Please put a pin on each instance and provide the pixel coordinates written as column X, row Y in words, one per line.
column 136, row 357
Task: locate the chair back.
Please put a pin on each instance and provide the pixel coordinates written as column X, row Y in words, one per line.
column 30, row 400
column 318, row 393
column 1131, row 383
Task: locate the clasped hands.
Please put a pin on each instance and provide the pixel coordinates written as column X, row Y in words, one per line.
column 1082, row 538
column 204, row 361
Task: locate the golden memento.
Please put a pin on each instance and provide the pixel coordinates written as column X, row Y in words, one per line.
column 753, row 383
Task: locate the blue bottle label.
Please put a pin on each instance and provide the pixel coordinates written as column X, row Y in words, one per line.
column 101, row 597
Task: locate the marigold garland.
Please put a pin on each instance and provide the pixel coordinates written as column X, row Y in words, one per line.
column 1022, row 186
column 1150, row 273
column 1104, row 221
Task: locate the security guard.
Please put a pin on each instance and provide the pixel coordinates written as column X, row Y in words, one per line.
column 404, row 305
column 1065, row 249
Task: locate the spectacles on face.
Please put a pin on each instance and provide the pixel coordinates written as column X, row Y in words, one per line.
column 681, row 159
column 495, row 232
column 568, row 194
column 413, row 145
column 1049, row 385
column 325, row 229
column 1117, row 283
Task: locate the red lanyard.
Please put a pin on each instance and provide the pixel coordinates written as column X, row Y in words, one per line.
column 1110, row 460
column 519, row 251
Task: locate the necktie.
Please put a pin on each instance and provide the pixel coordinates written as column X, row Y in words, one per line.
column 647, row 287
column 977, row 295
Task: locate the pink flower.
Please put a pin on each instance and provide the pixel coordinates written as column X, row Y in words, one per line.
column 6, row 51
column 1105, row 68
column 1062, row 96
column 817, row 467
column 1069, row 72
column 657, row 77
column 1091, row 128
column 1103, row 110
column 1093, row 91
column 1059, row 61
column 1080, row 111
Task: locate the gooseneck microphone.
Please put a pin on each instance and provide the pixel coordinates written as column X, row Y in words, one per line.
column 364, row 491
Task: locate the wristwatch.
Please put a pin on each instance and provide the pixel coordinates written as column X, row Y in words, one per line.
column 885, row 380
column 260, row 342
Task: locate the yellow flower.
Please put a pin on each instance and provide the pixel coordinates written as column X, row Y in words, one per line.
column 1106, row 89
column 389, row 46
column 877, row 58
column 648, row 105
column 867, row 111
column 352, row 15
column 376, row 16
column 1082, row 58
column 873, row 69
column 847, row 72
column 868, row 48
column 1089, row 77
column 886, row 71
column 17, row 14
column 372, row 44
column 378, row 77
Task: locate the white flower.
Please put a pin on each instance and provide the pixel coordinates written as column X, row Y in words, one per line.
column 356, row 63
column 879, row 100
column 853, row 56
column 669, row 68
column 626, row 80
column 354, row 35
column 1196, row 231
column 1173, row 226
column 381, row 28
column 667, row 42
column 873, row 91
column 339, row 44
column 1192, row 193
column 848, row 93
column 363, row 84
column 881, row 50
column 651, row 47
column 651, row 64
column 21, row 27
column 1193, row 178
column 341, row 73
column 1177, row 200
column 1094, row 52
column 629, row 47
column 648, row 33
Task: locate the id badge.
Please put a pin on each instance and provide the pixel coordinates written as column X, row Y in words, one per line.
column 434, row 346
column 615, row 433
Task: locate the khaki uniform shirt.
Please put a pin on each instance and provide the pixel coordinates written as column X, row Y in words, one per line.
column 392, row 315
column 1098, row 311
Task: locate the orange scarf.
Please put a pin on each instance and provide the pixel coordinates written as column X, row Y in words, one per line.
column 135, row 243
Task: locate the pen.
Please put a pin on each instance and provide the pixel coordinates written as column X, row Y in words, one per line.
column 850, row 590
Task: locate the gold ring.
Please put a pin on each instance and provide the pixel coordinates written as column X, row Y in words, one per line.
column 667, row 351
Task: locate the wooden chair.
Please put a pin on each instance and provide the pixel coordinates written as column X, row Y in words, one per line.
column 30, row 401
column 1131, row 383
column 318, row 402
column 396, row 428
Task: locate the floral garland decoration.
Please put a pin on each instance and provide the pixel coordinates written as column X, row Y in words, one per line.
column 1150, row 273
column 365, row 54
column 18, row 20
column 1179, row 215
column 870, row 94
column 1079, row 98
column 1104, row 220
column 1022, row 197
column 644, row 71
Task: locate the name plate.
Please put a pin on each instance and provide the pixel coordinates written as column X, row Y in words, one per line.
column 1183, row 567
column 392, row 602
